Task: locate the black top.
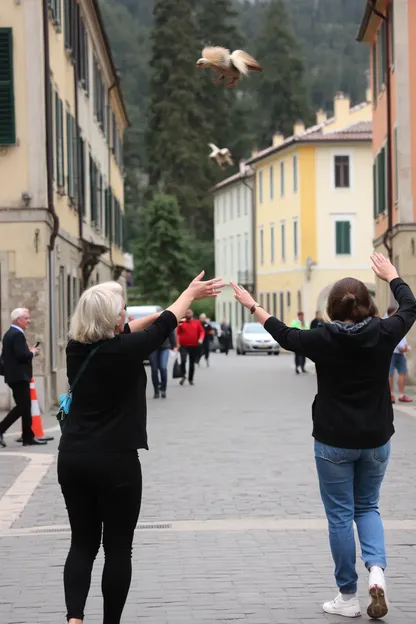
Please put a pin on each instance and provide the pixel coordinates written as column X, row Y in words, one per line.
column 17, row 357
column 170, row 342
column 108, row 408
column 208, row 330
column 352, row 408
column 315, row 323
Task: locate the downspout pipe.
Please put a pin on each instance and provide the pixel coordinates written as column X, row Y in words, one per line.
column 253, row 227
column 49, row 128
column 387, row 240
column 110, row 236
column 79, row 181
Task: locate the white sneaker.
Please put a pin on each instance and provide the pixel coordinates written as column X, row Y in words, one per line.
column 378, row 606
column 344, row 604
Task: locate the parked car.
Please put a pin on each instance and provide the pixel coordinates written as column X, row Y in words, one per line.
column 136, row 312
column 253, row 338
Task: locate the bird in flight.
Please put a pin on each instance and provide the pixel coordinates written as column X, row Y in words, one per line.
column 228, row 65
column 222, row 156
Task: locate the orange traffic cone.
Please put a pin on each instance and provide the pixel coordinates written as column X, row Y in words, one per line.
column 37, row 427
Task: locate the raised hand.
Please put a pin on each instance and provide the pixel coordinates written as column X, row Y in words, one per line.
column 242, row 295
column 205, row 290
column 383, row 268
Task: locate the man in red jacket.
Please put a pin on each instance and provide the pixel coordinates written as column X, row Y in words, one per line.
column 190, row 336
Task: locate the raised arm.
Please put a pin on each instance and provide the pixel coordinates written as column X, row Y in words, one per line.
column 144, row 322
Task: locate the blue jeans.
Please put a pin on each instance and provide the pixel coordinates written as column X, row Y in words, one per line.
column 350, row 481
column 159, row 362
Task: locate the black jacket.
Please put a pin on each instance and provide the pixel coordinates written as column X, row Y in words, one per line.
column 108, row 410
column 17, row 357
column 352, row 408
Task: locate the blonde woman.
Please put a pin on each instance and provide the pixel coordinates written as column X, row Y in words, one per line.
column 98, row 465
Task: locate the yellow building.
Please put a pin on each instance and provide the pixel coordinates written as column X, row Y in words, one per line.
column 314, row 210
column 62, row 119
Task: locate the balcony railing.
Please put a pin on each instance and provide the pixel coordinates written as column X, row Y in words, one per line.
column 246, row 279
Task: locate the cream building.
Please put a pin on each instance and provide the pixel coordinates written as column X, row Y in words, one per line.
column 61, row 171
column 314, row 210
column 233, row 235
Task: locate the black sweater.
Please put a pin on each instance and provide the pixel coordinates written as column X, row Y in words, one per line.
column 352, row 408
column 108, row 410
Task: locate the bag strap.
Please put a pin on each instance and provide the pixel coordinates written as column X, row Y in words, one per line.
column 82, row 369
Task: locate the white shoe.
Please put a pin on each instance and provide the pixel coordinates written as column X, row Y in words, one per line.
column 378, row 606
column 344, row 604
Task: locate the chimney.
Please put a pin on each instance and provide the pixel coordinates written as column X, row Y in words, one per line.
column 242, row 167
column 278, row 139
column 321, row 116
column 368, row 95
column 299, row 127
column 341, row 107
column 254, row 151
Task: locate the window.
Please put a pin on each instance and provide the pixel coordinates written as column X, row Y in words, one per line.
column 61, row 304
column 83, row 55
column 118, row 224
column 83, row 175
column 261, row 299
column 271, row 181
column 224, row 254
column 117, row 143
column 247, row 199
column 7, row 110
column 55, row 13
column 272, row 243
column 68, row 297
column 239, row 252
column 99, row 98
column 282, row 307
column 261, row 186
column 295, row 239
column 93, row 189
column 69, row 7
column 342, row 171
column 232, row 197
column 246, row 252
column 288, row 299
column 396, row 168
column 374, row 72
column 382, row 64
column 261, row 246
column 299, row 301
column 59, row 142
column 268, row 301
column 71, row 181
column 282, row 179
column 391, row 24
column 381, row 182
column 238, row 307
column 239, row 200
column 283, row 241
column 232, row 255
column 295, row 174
column 342, row 238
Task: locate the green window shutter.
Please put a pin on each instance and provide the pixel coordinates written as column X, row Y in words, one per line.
column 67, row 24
column 93, row 193
column 7, row 109
column 375, row 211
column 69, row 182
column 75, row 157
column 343, row 237
column 121, row 230
column 82, row 175
column 59, row 140
column 382, row 181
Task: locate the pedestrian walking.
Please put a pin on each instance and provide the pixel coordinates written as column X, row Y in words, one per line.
column 300, row 359
column 399, row 364
column 317, row 320
column 18, row 371
column 208, row 337
column 159, row 365
column 98, row 465
column 352, row 421
column 226, row 336
column 190, row 336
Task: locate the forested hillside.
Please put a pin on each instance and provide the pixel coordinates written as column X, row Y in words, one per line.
column 308, row 51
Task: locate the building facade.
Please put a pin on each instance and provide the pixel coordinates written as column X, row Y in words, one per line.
column 389, row 29
column 61, row 170
column 313, row 205
column 233, row 235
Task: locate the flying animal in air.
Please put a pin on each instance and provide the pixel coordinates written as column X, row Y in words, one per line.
column 228, row 65
column 222, row 156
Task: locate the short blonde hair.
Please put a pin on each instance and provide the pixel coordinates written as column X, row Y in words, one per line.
column 114, row 287
column 96, row 315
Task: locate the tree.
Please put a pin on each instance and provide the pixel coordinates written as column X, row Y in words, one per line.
column 281, row 93
column 176, row 151
column 162, row 264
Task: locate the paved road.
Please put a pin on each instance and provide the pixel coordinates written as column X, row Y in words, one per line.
column 232, row 528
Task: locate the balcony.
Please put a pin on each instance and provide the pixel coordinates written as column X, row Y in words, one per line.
column 246, row 279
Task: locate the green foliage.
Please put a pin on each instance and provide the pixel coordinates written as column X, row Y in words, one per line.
column 281, row 93
column 204, row 306
column 162, row 267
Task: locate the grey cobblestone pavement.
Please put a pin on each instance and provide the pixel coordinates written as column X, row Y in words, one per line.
column 232, row 527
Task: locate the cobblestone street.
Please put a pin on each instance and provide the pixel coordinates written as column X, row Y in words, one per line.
column 232, row 527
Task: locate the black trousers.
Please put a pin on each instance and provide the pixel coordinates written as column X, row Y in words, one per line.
column 205, row 348
column 194, row 353
column 102, row 492
column 300, row 361
column 22, row 409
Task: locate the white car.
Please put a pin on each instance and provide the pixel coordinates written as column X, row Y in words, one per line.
column 136, row 312
column 253, row 338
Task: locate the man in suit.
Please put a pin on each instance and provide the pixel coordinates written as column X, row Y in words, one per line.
column 18, row 372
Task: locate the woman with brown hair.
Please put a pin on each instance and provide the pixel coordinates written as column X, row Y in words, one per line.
column 352, row 420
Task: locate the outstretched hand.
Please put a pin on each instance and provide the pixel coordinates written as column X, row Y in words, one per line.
column 242, row 295
column 205, row 290
column 383, row 268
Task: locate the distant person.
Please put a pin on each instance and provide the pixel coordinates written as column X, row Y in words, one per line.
column 18, row 371
column 300, row 359
column 399, row 364
column 226, row 336
column 190, row 336
column 159, row 365
column 317, row 320
column 352, row 421
column 208, row 337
